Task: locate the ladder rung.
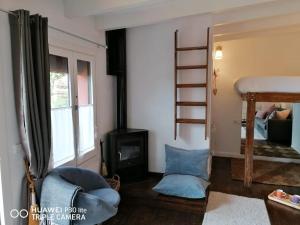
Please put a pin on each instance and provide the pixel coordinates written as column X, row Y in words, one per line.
column 191, row 121
column 191, row 103
column 191, row 67
column 197, row 85
column 191, row 48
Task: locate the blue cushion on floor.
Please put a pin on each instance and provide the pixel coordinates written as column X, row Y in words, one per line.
column 185, row 186
column 186, row 162
column 108, row 195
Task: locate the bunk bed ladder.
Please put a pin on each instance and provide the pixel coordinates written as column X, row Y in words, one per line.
column 190, row 85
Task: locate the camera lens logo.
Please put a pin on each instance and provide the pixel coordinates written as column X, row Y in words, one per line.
column 14, row 213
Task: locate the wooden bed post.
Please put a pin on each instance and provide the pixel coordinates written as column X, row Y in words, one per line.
column 251, row 101
column 252, row 98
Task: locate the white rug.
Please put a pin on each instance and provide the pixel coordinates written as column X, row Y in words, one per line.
column 225, row 209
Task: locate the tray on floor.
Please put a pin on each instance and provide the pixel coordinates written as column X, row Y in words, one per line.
column 285, row 200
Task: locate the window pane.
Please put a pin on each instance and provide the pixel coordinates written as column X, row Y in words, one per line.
column 59, row 81
column 62, row 136
column 85, row 107
column 86, row 129
column 84, row 82
column 61, row 112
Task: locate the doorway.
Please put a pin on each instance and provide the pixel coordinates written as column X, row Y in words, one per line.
column 274, row 128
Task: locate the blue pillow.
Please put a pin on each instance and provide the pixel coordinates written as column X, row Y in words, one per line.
column 186, row 162
column 184, row 186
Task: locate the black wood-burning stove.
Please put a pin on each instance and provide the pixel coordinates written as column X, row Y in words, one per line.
column 126, row 149
column 127, row 153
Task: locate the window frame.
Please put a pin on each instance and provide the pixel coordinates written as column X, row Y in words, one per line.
column 72, row 57
column 92, row 153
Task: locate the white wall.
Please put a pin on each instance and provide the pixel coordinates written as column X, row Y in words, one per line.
column 11, row 157
column 296, row 128
column 262, row 55
column 11, row 161
column 150, row 54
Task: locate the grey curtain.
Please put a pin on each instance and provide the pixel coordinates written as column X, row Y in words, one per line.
column 30, row 60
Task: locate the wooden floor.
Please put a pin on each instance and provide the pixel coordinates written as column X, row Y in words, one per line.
column 139, row 207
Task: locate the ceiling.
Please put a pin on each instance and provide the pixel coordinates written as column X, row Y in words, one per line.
column 112, row 14
column 78, row 8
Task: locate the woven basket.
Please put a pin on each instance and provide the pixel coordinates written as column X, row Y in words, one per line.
column 114, row 182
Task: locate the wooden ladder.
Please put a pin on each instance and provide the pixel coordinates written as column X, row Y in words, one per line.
column 193, row 85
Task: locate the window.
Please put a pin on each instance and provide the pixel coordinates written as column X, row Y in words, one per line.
column 85, row 106
column 59, row 77
column 72, row 108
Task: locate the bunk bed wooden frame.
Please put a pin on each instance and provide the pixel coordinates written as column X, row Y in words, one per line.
column 252, row 98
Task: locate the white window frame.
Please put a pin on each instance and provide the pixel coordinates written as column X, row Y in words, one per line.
column 93, row 152
column 72, row 57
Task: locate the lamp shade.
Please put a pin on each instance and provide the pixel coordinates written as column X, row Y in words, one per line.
column 218, row 53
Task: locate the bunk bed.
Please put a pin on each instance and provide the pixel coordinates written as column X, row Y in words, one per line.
column 263, row 89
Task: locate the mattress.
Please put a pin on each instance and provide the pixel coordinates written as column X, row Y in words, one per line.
column 279, row 84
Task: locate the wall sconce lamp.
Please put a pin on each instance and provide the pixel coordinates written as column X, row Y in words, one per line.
column 218, row 56
column 218, row 52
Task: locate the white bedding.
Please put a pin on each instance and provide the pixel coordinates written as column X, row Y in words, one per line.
column 283, row 84
column 257, row 134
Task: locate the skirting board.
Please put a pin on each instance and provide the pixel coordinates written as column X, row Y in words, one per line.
column 239, row 156
column 296, row 148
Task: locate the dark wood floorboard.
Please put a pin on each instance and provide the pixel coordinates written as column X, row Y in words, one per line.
column 140, row 207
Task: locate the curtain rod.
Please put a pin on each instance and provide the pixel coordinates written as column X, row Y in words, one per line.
column 65, row 32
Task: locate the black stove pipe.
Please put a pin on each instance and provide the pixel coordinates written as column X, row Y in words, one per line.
column 121, row 102
column 116, row 66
